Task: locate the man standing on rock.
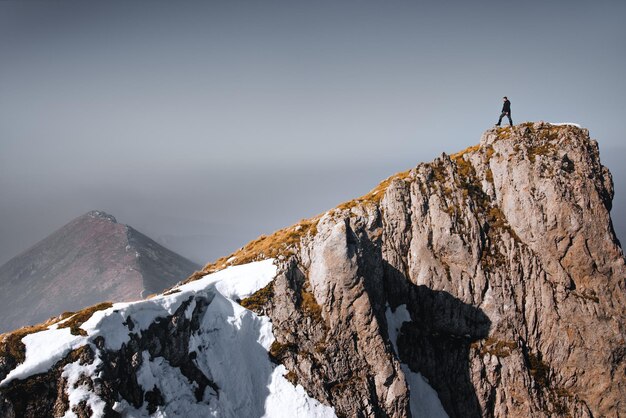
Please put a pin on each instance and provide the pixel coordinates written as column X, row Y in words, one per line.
column 506, row 111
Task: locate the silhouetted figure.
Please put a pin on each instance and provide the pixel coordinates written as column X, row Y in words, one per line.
column 506, row 111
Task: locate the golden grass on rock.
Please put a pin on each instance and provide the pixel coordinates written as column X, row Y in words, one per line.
column 80, row 317
column 285, row 242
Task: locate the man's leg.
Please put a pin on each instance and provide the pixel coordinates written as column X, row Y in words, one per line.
column 500, row 120
column 510, row 120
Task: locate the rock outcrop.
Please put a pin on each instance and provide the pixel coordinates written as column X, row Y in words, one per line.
column 492, row 275
column 91, row 259
column 505, row 257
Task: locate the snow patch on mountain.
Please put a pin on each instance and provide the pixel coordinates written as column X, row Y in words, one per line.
column 424, row 399
column 230, row 348
column 81, row 391
column 43, row 350
column 178, row 394
column 565, row 124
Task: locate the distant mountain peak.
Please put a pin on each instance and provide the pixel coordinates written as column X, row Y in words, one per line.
column 98, row 214
column 91, row 259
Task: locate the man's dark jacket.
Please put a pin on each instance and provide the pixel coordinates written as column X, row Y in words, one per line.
column 506, row 107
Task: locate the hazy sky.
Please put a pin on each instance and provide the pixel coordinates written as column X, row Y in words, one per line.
column 204, row 124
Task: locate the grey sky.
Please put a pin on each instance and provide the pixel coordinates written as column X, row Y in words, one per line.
column 204, row 124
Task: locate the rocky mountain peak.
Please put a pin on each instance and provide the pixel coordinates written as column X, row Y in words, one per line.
column 505, row 259
column 98, row 214
column 486, row 283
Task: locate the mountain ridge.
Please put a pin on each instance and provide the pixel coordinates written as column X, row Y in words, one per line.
column 491, row 276
column 538, row 146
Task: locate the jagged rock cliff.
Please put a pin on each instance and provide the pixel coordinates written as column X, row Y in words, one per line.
column 91, row 259
column 504, row 256
column 492, row 276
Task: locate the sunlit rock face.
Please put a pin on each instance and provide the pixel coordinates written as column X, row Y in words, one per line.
column 505, row 257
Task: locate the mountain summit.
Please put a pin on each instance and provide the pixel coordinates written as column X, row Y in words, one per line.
column 91, row 259
column 488, row 283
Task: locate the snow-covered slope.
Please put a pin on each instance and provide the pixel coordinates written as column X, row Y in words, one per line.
column 229, row 346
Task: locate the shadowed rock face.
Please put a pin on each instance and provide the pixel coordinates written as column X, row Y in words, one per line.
column 504, row 258
column 91, row 259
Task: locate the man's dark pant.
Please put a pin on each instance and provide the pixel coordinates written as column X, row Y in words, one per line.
column 508, row 115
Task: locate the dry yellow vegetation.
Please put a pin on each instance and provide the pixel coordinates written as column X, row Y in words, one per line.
column 286, row 241
column 79, row 318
